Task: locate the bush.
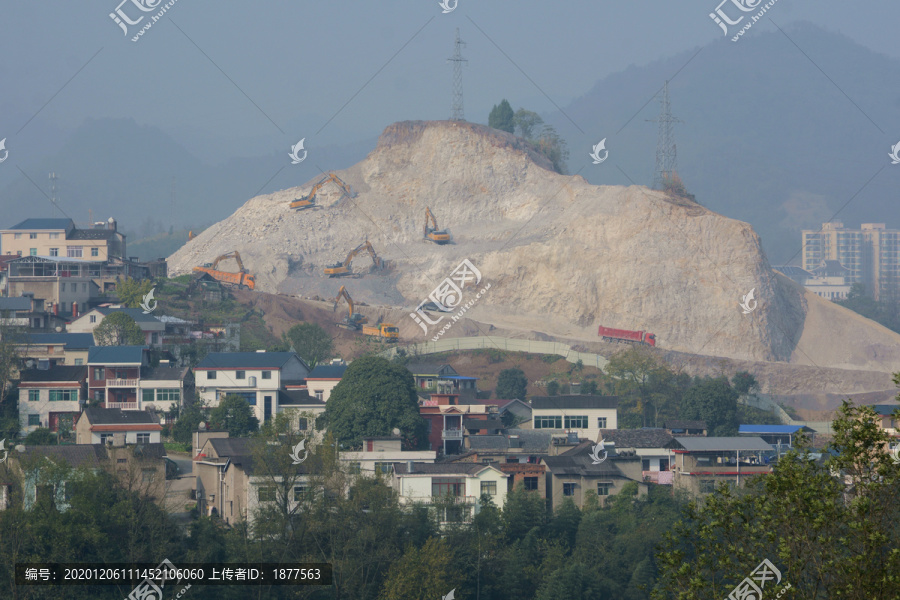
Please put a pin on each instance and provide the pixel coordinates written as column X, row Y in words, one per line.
column 40, row 437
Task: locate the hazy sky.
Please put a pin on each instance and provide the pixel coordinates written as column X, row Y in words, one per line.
column 298, row 63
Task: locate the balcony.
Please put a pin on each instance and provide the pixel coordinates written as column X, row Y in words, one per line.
column 122, row 405
column 452, row 434
column 658, row 477
column 121, row 383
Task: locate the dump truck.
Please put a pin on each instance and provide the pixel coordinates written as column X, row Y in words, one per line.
column 627, row 336
column 241, row 280
column 384, row 331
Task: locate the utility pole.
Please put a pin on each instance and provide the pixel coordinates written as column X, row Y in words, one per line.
column 666, row 156
column 54, row 192
column 456, row 107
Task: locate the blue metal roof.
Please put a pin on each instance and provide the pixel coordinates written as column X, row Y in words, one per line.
column 327, row 372
column 245, row 360
column 116, row 355
column 757, row 429
column 71, row 340
column 456, row 377
column 45, row 224
column 15, row 303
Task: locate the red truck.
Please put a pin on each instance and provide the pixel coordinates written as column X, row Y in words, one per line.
column 624, row 335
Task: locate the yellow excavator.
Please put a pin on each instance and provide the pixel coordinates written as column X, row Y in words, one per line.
column 241, row 280
column 309, row 201
column 356, row 322
column 342, row 269
column 432, row 233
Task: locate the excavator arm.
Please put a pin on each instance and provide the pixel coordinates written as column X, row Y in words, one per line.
column 342, row 293
column 429, row 216
column 235, row 255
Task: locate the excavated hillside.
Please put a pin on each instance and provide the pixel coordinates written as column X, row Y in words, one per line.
column 561, row 256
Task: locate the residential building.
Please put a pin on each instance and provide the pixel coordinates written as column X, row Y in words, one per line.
column 518, row 413
column 67, row 285
column 4, row 271
column 379, row 454
column 116, row 426
column 703, row 462
column 255, row 376
column 448, row 421
column 575, row 474
column 886, row 419
column 29, row 312
column 652, row 446
column 685, row 428
column 517, row 452
column 442, row 379
column 323, row 378
column 777, row 435
column 114, row 375
column 584, row 414
column 52, row 349
column 152, row 327
column 456, row 488
column 60, row 237
column 302, row 410
column 163, row 388
column 51, row 398
column 830, row 281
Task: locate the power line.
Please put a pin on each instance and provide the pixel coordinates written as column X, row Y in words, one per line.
column 666, row 155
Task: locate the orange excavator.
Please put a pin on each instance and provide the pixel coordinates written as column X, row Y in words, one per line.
column 432, row 233
column 356, row 322
column 309, row 201
column 342, row 269
column 241, row 280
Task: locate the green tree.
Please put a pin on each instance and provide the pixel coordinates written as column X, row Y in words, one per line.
column 511, row 384
column 554, row 147
column 501, row 117
column 188, row 422
column 310, row 341
column 119, row 329
column 374, row 397
column 39, row 437
column 713, row 401
column 744, row 383
column 423, row 573
column 589, row 387
column 552, row 387
column 131, row 292
column 10, row 357
column 526, row 123
column 234, row 415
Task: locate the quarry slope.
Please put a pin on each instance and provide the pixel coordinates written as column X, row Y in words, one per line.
column 561, row 255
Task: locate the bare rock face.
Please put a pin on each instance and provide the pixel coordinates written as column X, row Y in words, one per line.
column 562, row 256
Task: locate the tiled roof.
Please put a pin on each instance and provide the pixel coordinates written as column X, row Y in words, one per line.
column 488, row 442
column 473, row 423
column 116, row 416
column 135, row 313
column 327, row 372
column 75, row 455
column 70, row 340
column 637, row 438
column 885, row 409
column 17, row 303
column 116, row 355
column 536, row 442
column 758, row 429
column 163, row 373
column 45, row 224
column 578, row 461
column 59, row 373
column 93, row 234
column 446, row 468
column 682, row 424
column 298, row 398
column 574, row 401
column 723, row 444
column 245, row 360
column 426, row 368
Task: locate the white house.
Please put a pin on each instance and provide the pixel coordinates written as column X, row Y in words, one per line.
column 460, row 485
column 51, row 397
column 114, row 425
column 584, row 414
column 323, row 378
column 256, row 376
column 152, row 327
column 379, row 455
column 653, row 446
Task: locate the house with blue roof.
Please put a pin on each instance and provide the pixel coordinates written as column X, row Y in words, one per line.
column 442, row 379
column 886, row 418
column 776, row 434
column 323, row 378
column 44, row 350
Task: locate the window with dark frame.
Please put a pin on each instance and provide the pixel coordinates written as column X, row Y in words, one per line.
column 569, row 489
column 448, row 486
column 531, row 483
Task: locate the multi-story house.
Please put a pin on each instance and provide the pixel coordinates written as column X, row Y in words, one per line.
column 66, row 285
column 51, row 398
column 52, row 349
column 516, row 452
column 442, row 379
column 323, row 378
column 379, row 454
column 652, row 446
column 255, row 376
column 152, row 327
column 454, row 489
column 584, row 414
column 61, row 238
column 886, row 420
column 575, row 473
column 122, row 377
column 702, row 462
column 28, row 312
column 448, row 421
column 115, row 426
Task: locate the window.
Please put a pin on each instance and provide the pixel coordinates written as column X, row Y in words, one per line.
column 105, row 438
column 147, row 395
column 576, row 422
column 601, row 422
column 32, row 236
column 240, row 375
column 267, row 374
column 17, row 236
column 154, row 338
column 531, row 483
column 447, row 486
column 547, row 422
column 83, row 287
column 34, row 420
column 266, row 494
column 320, row 395
column 74, row 251
column 168, row 395
column 488, row 461
column 489, row 487
column 121, row 461
column 63, row 395
column 299, row 490
column 355, row 468
column 54, row 251
column 54, row 236
column 79, row 362
column 32, row 251
column 603, row 488
column 62, row 287
column 302, row 424
column 98, row 373
column 210, row 374
column 707, row 486
column 95, row 251
column 147, row 475
column 18, row 253
column 664, row 464
column 34, row 395
column 143, row 438
column 385, row 468
column 569, row 489
column 645, row 464
column 93, row 318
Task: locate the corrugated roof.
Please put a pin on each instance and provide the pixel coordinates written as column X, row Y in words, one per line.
column 757, row 429
column 427, row 368
column 885, row 409
column 45, row 224
column 17, row 303
column 245, row 360
column 488, row 442
column 70, row 340
column 637, row 438
column 116, row 355
column 61, row 373
column 683, row 424
column 574, row 401
column 116, row 416
column 723, row 444
column 327, row 372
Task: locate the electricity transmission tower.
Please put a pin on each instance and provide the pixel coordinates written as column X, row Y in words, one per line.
column 666, row 157
column 456, row 108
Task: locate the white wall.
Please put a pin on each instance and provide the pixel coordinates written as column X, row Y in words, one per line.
column 43, row 407
column 130, row 436
column 592, row 432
